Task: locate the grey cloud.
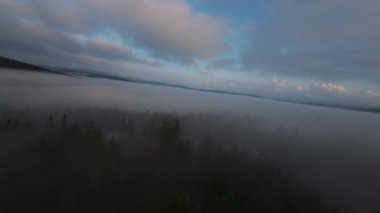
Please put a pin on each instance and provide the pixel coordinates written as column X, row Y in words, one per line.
column 167, row 28
column 28, row 40
column 106, row 49
column 338, row 39
column 226, row 63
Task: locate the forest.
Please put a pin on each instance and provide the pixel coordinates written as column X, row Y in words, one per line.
column 106, row 160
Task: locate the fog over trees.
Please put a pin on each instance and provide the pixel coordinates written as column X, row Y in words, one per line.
column 189, row 106
column 105, row 160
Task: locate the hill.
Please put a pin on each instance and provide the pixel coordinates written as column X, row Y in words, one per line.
column 373, row 110
column 14, row 64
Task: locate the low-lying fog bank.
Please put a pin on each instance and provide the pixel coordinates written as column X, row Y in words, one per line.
column 334, row 151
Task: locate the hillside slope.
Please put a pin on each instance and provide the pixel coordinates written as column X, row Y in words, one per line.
column 14, row 64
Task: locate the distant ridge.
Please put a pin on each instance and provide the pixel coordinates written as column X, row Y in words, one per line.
column 14, row 64
column 374, row 110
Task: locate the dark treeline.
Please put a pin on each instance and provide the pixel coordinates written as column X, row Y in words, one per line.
column 113, row 161
column 13, row 64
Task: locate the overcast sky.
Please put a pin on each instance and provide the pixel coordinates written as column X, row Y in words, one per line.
column 309, row 50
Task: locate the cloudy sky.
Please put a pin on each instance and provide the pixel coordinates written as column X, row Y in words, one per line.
column 309, row 50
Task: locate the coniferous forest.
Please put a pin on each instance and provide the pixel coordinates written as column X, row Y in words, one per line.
column 115, row 161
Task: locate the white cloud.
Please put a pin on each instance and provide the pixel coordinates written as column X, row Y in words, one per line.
column 373, row 94
column 333, row 88
column 279, row 84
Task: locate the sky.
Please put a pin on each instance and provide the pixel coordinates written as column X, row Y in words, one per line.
column 300, row 50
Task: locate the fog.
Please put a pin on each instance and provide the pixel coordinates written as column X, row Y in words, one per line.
column 335, row 151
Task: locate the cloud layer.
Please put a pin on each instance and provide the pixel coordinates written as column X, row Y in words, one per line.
column 164, row 28
column 338, row 39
